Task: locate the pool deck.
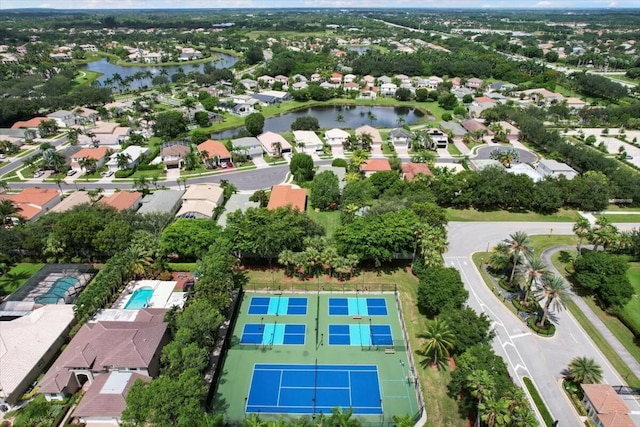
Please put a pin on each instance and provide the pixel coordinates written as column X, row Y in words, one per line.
column 163, row 294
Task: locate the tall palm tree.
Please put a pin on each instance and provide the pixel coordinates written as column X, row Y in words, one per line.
column 530, row 274
column 584, row 370
column 433, row 243
column 365, row 140
column 582, row 229
column 189, row 103
column 123, row 160
column 519, row 246
column 439, row 340
column 556, row 294
column 138, row 261
column 499, row 257
column 604, row 233
column 141, row 183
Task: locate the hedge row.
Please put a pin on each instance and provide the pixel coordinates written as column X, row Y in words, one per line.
column 533, row 324
column 542, row 408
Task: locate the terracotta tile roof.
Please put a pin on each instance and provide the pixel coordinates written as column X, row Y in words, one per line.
column 214, row 148
column 615, row 419
column 604, row 398
column 105, row 345
column 410, row 170
column 288, row 195
column 485, row 99
column 91, row 153
column 122, row 200
column 33, row 123
column 375, row 165
column 31, row 200
column 106, row 395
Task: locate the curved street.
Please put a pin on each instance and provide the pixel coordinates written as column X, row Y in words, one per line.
column 526, row 354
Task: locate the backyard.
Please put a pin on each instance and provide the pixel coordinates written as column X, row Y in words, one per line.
column 16, row 277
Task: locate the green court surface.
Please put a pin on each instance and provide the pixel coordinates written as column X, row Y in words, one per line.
column 397, row 390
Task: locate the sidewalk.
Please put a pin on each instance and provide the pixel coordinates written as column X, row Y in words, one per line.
column 611, row 339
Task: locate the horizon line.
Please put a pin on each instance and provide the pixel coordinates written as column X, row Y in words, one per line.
column 546, row 7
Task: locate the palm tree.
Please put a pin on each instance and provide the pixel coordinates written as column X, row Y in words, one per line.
column 506, row 157
column 138, row 261
column 365, row 140
column 556, row 294
column 4, row 185
column 122, row 160
column 340, row 418
column 439, row 340
column 433, row 243
column 405, row 420
column 8, row 211
column 584, row 370
column 277, row 148
column 499, row 257
column 58, row 180
column 189, row 103
column 519, row 246
column 582, row 229
column 286, row 258
column 358, row 157
column 530, row 274
column 72, row 136
column 52, row 159
column 495, row 411
column 604, row 233
column 94, row 194
column 141, row 183
column 482, row 385
column 372, row 118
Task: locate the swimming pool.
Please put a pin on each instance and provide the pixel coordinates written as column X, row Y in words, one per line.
column 57, row 290
column 139, row 299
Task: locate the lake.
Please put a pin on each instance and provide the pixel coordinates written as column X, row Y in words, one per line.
column 108, row 69
column 353, row 117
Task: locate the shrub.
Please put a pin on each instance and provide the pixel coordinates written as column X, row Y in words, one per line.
column 447, row 117
column 124, row 174
column 149, row 167
column 549, row 331
column 542, row 408
column 533, row 308
column 339, row 163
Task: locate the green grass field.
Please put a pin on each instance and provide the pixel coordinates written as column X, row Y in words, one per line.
column 631, row 311
column 398, row 397
column 329, row 220
column 442, row 411
column 86, row 77
column 15, row 278
column 563, row 215
column 628, row 218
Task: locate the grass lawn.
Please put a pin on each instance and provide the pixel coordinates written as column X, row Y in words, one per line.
column 19, row 273
column 631, row 311
column 442, row 411
column 630, row 217
column 541, row 242
column 563, row 215
column 86, row 77
column 329, row 220
column 453, row 150
column 623, row 208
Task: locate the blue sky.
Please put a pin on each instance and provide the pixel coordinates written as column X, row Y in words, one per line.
column 253, row 4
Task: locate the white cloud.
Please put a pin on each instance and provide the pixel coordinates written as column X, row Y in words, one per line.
column 544, row 4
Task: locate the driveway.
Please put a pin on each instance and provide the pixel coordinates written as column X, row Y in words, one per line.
column 259, row 162
column 337, row 151
column 525, row 156
column 526, row 354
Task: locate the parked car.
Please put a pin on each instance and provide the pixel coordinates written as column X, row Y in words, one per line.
column 2, row 156
column 106, row 174
column 629, row 157
column 72, row 172
column 223, row 165
column 38, row 174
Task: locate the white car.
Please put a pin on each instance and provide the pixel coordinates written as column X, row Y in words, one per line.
column 72, row 172
column 2, row 156
column 106, row 174
column 223, row 165
column 38, row 174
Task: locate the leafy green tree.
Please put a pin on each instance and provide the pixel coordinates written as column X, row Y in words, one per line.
column 438, row 342
column 468, row 327
column 253, row 55
column 261, row 197
column 254, row 123
column 301, row 167
column 189, row 238
column 325, row 191
column 584, row 370
column 447, row 100
column 202, row 118
column 169, row 125
column 305, row 123
column 403, row 94
column 440, row 289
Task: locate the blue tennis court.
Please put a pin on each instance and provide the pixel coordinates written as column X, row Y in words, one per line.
column 360, row 335
column 278, row 306
column 273, row 334
column 357, row 307
column 312, row 389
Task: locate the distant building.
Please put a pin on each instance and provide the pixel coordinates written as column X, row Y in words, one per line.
column 201, row 200
column 410, row 170
column 308, row 141
column 123, row 200
column 288, row 195
column 270, row 142
column 250, row 146
column 372, row 166
column 554, row 168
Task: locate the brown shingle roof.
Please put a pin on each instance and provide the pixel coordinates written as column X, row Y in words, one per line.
column 177, row 150
column 286, row 195
column 410, row 170
column 376, row 165
column 109, row 401
column 473, row 125
column 122, row 200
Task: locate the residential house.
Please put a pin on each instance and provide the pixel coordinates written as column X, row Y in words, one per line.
column 29, row 343
column 336, row 137
column 299, row 78
column 201, row 201
column 16, row 137
column 162, row 201
column 123, row 200
column 474, row 83
column 542, row 96
column 63, row 118
column 134, row 155
column 99, row 154
column 384, row 79
column 107, row 346
column 513, row 133
column 104, row 401
column 315, row 77
column 274, row 144
column 604, row 407
column 372, row 166
column 455, row 128
column 280, row 95
column 376, row 139
column 214, row 152
column 524, row 169
column 33, row 202
column 266, row 100
column 369, row 92
column 349, row 78
column 308, row 141
column 282, row 79
column 266, row 80
column 388, row 89
column 249, row 146
column 249, row 84
column 300, row 85
column 237, row 201
column 403, row 79
column 30, row 125
column 576, row 103
column 336, row 78
column 288, row 195
column 351, row 86
column 439, row 139
column 554, row 168
column 189, row 54
column 243, row 109
column 473, row 125
column 369, row 80
column 434, row 82
column 173, row 155
column 456, row 83
column 72, row 200
column 400, row 138
column 410, row 170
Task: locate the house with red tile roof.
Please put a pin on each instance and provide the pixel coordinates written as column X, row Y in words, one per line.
column 29, row 124
column 123, row 200
column 410, row 170
column 372, row 166
column 33, row 201
column 105, row 346
column 100, row 154
column 604, row 407
column 288, row 195
column 216, row 152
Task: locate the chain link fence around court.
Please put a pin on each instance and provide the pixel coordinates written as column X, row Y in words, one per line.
column 319, row 286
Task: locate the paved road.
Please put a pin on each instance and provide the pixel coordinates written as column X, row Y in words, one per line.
column 526, row 354
column 525, row 156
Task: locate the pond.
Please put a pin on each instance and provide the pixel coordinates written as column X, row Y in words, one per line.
column 108, row 69
column 353, row 116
